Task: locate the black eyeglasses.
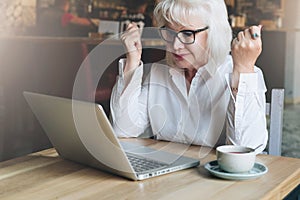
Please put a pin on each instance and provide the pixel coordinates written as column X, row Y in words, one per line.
column 185, row 36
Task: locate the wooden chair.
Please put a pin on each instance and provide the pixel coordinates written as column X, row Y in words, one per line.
column 274, row 111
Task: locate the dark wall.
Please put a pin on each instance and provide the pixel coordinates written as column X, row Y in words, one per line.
column 272, row 59
column 37, row 66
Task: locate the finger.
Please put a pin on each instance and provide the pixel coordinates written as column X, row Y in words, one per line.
column 255, row 31
column 131, row 29
column 128, row 27
column 132, row 40
column 247, row 33
column 131, row 25
column 240, row 36
column 234, row 43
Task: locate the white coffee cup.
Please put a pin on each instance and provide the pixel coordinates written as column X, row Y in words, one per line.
column 235, row 159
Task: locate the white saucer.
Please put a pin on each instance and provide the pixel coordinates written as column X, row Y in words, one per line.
column 258, row 169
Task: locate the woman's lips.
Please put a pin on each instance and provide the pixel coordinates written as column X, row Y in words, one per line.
column 178, row 56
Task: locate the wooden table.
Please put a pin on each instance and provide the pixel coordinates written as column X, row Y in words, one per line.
column 44, row 175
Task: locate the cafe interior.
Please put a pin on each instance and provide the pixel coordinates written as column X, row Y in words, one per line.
column 38, row 56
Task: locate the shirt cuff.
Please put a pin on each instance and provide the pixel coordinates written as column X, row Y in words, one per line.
column 122, row 63
column 132, row 78
column 248, row 83
column 121, row 67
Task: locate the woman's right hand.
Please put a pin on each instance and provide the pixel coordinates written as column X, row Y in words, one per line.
column 131, row 39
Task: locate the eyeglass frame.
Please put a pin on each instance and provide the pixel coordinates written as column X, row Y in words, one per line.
column 182, row 31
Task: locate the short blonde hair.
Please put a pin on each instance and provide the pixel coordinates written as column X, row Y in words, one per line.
column 212, row 13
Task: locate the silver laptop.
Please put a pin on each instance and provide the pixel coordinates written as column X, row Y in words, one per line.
column 81, row 132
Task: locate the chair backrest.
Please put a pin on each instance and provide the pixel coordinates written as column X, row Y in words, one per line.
column 274, row 110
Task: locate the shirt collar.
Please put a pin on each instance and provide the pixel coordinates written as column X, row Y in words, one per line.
column 202, row 70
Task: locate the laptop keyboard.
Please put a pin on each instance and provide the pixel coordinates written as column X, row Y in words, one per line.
column 140, row 164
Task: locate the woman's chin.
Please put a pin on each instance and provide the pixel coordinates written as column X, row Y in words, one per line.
column 182, row 63
column 179, row 62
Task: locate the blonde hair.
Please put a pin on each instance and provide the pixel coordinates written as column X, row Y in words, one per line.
column 212, row 13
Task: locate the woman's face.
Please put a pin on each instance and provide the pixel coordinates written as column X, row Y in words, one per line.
column 189, row 56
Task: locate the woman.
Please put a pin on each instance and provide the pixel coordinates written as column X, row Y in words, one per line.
column 202, row 95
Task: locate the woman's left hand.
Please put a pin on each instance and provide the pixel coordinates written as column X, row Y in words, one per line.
column 245, row 49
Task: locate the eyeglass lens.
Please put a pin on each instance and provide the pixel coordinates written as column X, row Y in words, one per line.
column 186, row 37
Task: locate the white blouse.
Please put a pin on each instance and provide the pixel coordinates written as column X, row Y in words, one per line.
column 207, row 114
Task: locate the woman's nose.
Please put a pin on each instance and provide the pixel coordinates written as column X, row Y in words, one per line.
column 177, row 44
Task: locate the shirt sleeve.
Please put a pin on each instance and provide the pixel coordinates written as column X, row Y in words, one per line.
column 129, row 103
column 246, row 118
